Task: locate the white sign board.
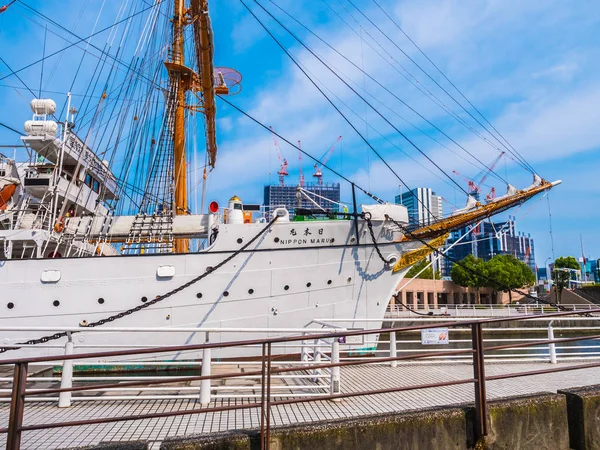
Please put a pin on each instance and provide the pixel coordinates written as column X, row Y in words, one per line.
column 434, row 336
column 353, row 340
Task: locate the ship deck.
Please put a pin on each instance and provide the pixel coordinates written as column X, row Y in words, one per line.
column 356, row 378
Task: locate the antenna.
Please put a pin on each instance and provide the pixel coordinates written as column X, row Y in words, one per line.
column 227, row 81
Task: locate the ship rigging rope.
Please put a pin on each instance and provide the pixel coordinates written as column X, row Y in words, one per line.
column 365, row 140
column 421, row 87
column 385, row 119
column 79, row 40
column 511, row 149
column 335, row 172
column 10, row 128
column 448, row 80
column 159, row 298
column 357, row 67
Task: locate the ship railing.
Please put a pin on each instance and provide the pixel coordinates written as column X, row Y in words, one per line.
column 482, row 310
column 300, row 383
column 271, row 398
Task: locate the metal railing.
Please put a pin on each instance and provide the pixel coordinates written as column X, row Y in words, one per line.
column 482, row 310
column 305, row 384
column 267, row 372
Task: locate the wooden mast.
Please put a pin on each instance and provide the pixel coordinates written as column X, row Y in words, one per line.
column 183, row 79
column 178, row 83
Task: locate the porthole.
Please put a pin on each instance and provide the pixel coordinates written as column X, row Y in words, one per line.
column 250, row 291
column 226, row 294
column 144, row 299
column 101, row 300
column 329, row 281
column 240, row 240
column 349, row 280
column 309, row 284
column 286, row 288
column 276, row 240
column 10, row 305
column 56, row 303
column 199, row 295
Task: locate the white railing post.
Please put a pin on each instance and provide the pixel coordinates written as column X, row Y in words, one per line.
column 304, row 350
column 542, row 309
column 334, row 386
column 551, row 347
column 205, row 384
column 393, row 349
column 317, row 360
column 66, row 378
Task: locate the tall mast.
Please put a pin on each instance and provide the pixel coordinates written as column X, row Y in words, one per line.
column 179, row 86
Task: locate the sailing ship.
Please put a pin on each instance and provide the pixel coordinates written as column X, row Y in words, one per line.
column 72, row 255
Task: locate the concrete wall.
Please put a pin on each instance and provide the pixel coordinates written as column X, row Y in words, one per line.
column 584, row 417
column 538, row 422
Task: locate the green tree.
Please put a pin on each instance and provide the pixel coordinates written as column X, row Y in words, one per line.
column 561, row 277
column 427, row 274
column 470, row 272
column 506, row 272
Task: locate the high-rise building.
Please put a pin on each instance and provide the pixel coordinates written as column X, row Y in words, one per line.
column 488, row 240
column 424, row 206
column 326, row 195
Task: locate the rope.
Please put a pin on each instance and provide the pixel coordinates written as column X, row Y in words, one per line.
column 160, row 298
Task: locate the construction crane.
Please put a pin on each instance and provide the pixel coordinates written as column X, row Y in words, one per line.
column 284, row 164
column 473, row 188
column 489, row 170
column 301, row 182
column 318, row 174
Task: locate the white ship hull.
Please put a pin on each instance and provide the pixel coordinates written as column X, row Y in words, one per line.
column 295, row 273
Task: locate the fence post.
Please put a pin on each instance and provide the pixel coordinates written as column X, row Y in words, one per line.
column 551, row 347
column 17, row 406
column 479, row 376
column 393, row 349
column 335, row 371
column 205, row 384
column 66, row 378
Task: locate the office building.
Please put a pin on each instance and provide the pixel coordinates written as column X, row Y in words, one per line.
column 424, row 206
column 326, row 195
column 488, row 240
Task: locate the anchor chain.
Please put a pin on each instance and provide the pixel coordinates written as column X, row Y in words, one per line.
column 367, row 217
column 159, row 298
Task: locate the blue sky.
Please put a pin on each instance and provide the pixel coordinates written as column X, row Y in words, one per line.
column 530, row 67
